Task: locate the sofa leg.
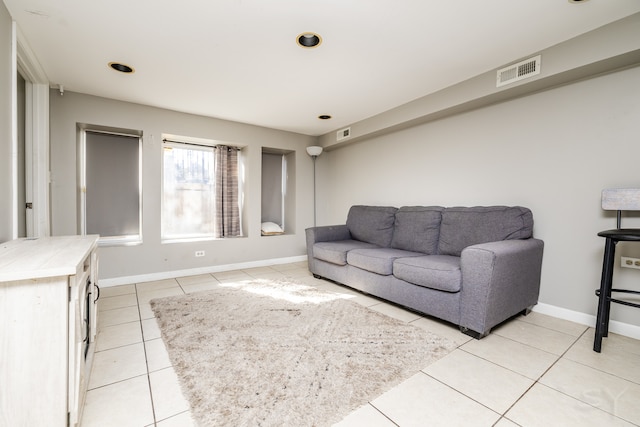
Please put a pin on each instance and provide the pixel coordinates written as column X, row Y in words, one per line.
column 473, row 334
column 317, row 276
column 526, row 311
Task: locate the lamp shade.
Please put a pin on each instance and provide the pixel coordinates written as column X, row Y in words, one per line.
column 314, row 150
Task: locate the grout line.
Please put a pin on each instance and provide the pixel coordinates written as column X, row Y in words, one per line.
column 146, row 360
column 537, row 381
column 504, row 367
column 575, row 341
column 115, row 382
column 596, row 368
column 509, row 369
column 383, row 414
column 613, row 414
column 188, row 411
column 463, row 394
column 117, row 347
column 520, row 398
column 503, row 417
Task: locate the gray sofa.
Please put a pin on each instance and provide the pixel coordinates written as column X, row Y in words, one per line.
column 472, row 266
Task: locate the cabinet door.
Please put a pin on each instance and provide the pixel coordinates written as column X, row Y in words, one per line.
column 33, row 352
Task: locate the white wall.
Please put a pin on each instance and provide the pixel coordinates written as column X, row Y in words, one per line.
column 153, row 257
column 552, row 151
column 6, row 125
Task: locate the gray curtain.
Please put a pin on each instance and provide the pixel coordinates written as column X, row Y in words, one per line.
column 227, row 203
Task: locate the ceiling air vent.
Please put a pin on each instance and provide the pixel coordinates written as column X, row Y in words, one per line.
column 343, row 134
column 520, row 71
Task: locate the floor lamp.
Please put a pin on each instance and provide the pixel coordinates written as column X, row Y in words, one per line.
column 314, row 151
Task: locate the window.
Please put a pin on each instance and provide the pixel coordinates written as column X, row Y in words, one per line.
column 200, row 191
column 188, row 191
column 111, row 196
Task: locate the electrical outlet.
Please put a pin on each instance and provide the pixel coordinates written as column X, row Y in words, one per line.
column 199, row 253
column 630, row 262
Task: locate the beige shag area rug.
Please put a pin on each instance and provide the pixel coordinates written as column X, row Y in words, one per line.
column 278, row 353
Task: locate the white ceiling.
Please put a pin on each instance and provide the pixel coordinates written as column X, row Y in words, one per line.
column 238, row 59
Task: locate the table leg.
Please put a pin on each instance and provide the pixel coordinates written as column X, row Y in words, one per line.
column 604, row 301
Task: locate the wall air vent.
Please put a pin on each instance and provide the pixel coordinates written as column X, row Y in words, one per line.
column 520, row 71
column 343, row 134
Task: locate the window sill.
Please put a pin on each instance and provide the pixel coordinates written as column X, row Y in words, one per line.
column 196, row 239
column 108, row 241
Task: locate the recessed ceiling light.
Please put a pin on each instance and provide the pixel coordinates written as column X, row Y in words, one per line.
column 578, row 1
column 324, row 117
column 123, row 68
column 309, row 40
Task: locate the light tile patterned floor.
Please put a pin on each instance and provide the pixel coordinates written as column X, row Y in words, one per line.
column 532, row 371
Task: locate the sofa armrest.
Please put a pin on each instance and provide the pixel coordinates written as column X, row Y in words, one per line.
column 325, row 233
column 499, row 280
column 328, row 233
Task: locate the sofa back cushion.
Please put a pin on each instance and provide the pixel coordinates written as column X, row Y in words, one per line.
column 372, row 224
column 417, row 229
column 466, row 226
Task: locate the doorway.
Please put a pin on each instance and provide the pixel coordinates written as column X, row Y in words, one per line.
column 21, row 166
column 31, row 208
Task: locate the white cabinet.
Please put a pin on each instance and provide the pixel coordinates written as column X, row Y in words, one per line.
column 47, row 328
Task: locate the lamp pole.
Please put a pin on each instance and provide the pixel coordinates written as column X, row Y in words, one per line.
column 314, row 189
column 314, row 152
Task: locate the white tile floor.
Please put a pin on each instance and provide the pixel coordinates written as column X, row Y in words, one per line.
column 532, row 371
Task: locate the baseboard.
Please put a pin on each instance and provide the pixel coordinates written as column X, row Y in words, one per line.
column 125, row 280
column 626, row 329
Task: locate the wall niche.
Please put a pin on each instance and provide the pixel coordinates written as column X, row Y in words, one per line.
column 278, row 191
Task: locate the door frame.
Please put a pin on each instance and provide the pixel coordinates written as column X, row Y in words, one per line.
column 37, row 174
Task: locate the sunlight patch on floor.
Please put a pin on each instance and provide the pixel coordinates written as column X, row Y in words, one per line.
column 288, row 291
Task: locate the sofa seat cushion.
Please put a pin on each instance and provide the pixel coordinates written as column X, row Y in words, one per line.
column 336, row 252
column 441, row 272
column 378, row 261
column 372, row 224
